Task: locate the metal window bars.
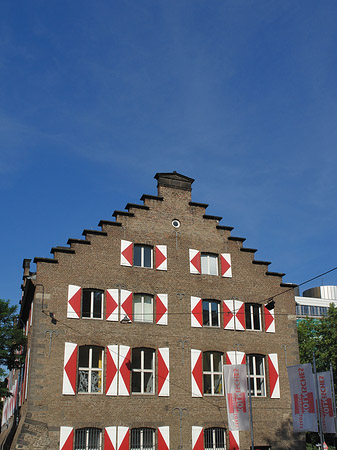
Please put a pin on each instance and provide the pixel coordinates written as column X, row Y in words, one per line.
column 88, row 439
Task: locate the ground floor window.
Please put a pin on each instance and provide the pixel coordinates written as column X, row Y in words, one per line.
column 88, row 439
column 215, row 439
column 142, row 438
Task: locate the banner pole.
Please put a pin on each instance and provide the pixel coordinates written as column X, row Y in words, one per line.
column 317, row 402
column 250, row 403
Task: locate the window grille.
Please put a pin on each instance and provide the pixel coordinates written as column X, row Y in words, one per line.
column 215, row 439
column 142, row 439
column 88, row 439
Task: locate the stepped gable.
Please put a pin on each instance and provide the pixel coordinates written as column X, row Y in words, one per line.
column 173, row 180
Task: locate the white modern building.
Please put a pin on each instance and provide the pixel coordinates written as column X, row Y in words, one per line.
column 315, row 301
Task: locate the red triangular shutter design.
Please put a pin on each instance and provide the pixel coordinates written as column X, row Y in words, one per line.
column 196, row 312
column 269, row 320
column 228, row 315
column 126, row 304
column 163, row 372
column 112, row 305
column 124, row 370
column 240, row 319
column 161, row 309
column 274, row 381
column 161, row 257
column 110, row 438
column 226, row 266
column 196, row 371
column 195, row 263
column 197, row 438
column 70, row 367
column 66, row 438
column 126, row 253
column 74, row 302
column 123, row 438
column 111, row 370
column 163, row 438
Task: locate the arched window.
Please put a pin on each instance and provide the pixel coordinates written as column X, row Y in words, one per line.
column 215, row 438
column 212, row 363
column 142, row 439
column 90, row 369
column 142, row 364
column 88, row 439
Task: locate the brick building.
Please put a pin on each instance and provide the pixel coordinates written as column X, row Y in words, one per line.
column 128, row 330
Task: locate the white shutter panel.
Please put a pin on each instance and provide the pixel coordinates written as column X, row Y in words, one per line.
column 69, row 368
column 163, row 438
column 66, row 438
column 196, row 372
column 197, row 438
column 163, row 372
column 274, row 378
column 196, row 312
column 228, row 314
column 126, row 253
column 110, row 438
column 240, row 319
column 161, row 257
column 195, row 263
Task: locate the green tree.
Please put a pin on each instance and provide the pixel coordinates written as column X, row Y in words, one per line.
column 12, row 341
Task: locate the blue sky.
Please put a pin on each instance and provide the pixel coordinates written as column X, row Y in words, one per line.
column 96, row 97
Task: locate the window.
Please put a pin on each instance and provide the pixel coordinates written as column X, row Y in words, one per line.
column 212, row 363
column 92, row 304
column 211, row 313
column 253, row 316
column 214, row 439
column 142, row 371
column 142, row 255
column 90, row 369
column 142, row 438
column 143, row 308
column 88, row 439
column 256, row 375
column 209, row 264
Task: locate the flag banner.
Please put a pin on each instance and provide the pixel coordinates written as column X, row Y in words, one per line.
column 302, row 388
column 325, row 402
column 236, row 397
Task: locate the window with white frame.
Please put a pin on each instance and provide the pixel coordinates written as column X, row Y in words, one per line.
column 209, row 264
column 143, row 370
column 253, row 316
column 142, row 439
column 92, row 304
column 211, row 313
column 143, row 308
column 212, row 363
column 143, row 255
column 257, row 378
column 90, row 369
column 88, row 439
column 215, row 438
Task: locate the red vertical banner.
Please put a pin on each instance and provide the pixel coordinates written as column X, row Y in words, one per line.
column 302, row 388
column 236, row 397
column 325, row 402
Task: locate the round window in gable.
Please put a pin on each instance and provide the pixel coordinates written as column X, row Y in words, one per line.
column 176, row 223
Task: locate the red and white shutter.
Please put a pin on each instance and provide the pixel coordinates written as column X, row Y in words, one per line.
column 163, row 372
column 196, row 312
column 197, row 438
column 126, row 253
column 111, row 370
column 196, row 372
column 195, row 263
column 111, row 299
column 235, row 357
column 126, row 304
column 234, row 441
column 123, row 438
column 110, row 438
column 74, row 302
column 27, row 373
column 269, row 320
column 163, row 438
column 161, row 257
column 226, row 265
column 66, row 438
column 124, row 370
column 161, row 309
column 240, row 320
column 274, row 378
column 69, row 368
column 228, row 314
